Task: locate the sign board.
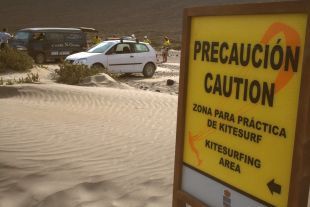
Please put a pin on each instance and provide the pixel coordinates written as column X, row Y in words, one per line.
column 244, row 76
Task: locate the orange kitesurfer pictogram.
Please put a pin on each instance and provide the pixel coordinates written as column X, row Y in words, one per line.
column 192, row 140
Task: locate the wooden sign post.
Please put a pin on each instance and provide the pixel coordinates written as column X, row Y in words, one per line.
column 243, row 132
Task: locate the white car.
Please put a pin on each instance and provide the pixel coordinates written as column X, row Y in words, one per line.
column 119, row 56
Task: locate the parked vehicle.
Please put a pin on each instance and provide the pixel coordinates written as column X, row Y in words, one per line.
column 49, row 44
column 119, row 56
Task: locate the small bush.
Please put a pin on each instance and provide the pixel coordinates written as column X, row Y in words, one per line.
column 15, row 60
column 74, row 74
column 9, row 82
column 31, row 78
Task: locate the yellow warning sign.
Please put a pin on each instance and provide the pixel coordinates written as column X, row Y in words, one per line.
column 242, row 100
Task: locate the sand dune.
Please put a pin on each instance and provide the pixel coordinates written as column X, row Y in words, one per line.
column 85, row 147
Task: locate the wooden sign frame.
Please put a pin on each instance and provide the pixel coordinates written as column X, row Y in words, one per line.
column 300, row 173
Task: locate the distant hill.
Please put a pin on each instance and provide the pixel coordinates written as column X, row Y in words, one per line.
column 154, row 18
column 123, row 17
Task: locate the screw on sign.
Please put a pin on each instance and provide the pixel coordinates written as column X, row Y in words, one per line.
column 226, row 198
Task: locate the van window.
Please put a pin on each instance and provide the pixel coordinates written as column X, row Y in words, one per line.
column 22, row 36
column 38, row 36
column 55, row 36
column 73, row 36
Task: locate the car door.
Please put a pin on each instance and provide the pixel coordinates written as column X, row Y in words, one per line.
column 141, row 56
column 120, row 59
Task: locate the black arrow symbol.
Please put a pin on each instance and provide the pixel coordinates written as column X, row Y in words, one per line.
column 274, row 187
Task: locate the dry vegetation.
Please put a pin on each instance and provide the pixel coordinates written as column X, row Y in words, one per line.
column 14, row 60
column 30, row 78
column 74, row 74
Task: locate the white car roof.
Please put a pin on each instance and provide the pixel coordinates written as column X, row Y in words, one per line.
column 126, row 41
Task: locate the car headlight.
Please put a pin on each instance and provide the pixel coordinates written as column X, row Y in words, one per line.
column 81, row 61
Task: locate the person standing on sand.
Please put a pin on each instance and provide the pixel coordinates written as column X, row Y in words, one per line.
column 133, row 37
column 4, row 38
column 165, row 49
column 146, row 40
column 96, row 40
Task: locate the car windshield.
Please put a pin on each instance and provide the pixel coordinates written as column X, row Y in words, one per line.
column 24, row 36
column 100, row 48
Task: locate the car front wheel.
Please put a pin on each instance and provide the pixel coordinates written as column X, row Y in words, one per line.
column 149, row 70
column 98, row 66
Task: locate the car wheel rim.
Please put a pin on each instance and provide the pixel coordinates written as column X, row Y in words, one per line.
column 149, row 70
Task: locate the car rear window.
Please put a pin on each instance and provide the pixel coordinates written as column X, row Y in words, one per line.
column 141, row 48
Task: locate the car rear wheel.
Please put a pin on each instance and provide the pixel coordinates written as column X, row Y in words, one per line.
column 149, row 70
column 39, row 58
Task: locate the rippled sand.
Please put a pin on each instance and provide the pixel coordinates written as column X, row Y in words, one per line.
column 63, row 146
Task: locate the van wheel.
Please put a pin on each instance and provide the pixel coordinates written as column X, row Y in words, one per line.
column 39, row 58
column 2, row 46
column 149, row 70
column 61, row 60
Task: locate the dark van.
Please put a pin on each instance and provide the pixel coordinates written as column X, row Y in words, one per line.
column 49, row 44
